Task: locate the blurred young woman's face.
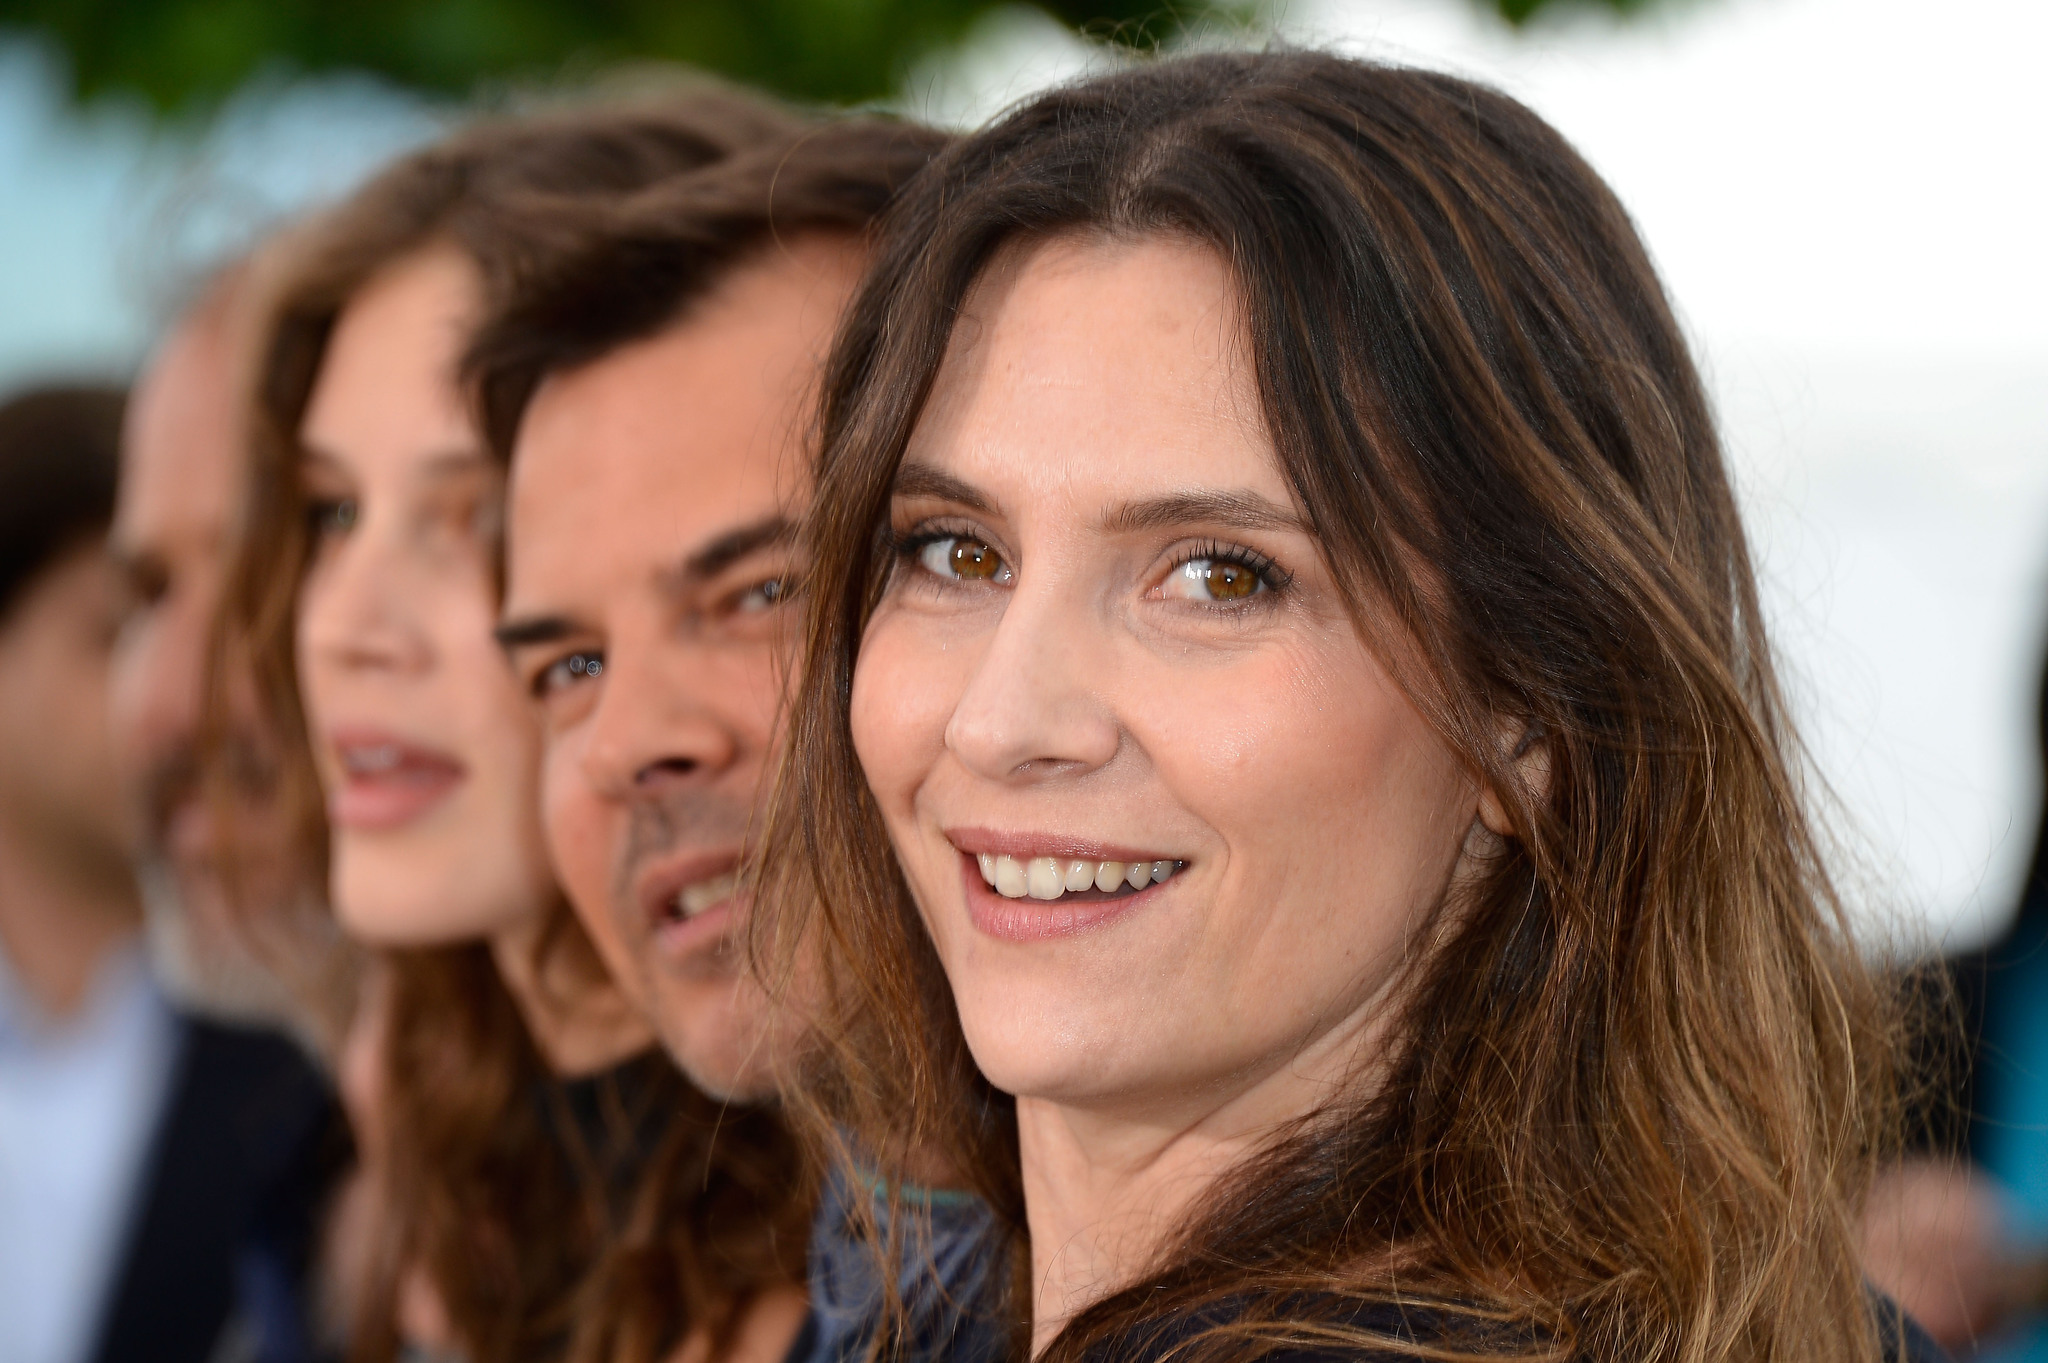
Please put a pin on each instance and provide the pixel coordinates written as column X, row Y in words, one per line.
column 1169, row 821
column 427, row 751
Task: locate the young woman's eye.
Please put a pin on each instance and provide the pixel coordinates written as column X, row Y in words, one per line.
column 1217, row 578
column 963, row 558
column 332, row 516
column 567, row 671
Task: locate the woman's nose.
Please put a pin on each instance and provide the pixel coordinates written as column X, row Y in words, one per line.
column 353, row 610
column 1034, row 707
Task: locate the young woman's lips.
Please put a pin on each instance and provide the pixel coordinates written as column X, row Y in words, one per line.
column 386, row 781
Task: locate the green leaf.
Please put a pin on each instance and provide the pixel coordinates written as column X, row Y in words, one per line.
column 185, row 55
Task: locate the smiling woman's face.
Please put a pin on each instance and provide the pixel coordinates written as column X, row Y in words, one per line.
column 427, row 751
column 1170, row 823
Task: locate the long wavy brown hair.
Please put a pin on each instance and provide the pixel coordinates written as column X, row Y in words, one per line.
column 1640, row 1070
column 607, row 1234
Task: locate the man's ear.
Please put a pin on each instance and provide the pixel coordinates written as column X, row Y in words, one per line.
column 1531, row 761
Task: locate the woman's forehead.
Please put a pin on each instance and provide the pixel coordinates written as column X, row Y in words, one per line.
column 1097, row 369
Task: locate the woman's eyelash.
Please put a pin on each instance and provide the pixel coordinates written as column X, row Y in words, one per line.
column 1265, row 569
column 914, row 541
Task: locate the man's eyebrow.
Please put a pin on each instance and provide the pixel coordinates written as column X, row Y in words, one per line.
column 1237, row 510
column 534, row 629
column 922, row 480
column 732, row 546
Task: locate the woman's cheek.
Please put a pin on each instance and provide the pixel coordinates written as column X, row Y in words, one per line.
column 1232, row 737
column 903, row 698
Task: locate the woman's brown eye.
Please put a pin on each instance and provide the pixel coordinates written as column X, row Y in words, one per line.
column 968, row 560
column 971, row 559
column 1229, row 581
column 1215, row 579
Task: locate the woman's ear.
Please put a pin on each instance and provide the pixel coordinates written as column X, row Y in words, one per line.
column 1531, row 762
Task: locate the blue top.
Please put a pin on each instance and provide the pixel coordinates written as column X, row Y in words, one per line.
column 947, row 1274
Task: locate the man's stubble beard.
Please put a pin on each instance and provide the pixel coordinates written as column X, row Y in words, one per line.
column 659, row 827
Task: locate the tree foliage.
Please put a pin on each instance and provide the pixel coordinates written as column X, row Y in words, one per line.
column 185, row 53
column 180, row 53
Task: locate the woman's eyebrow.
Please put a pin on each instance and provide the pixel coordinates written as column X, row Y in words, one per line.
column 447, row 465
column 1242, row 510
column 922, row 480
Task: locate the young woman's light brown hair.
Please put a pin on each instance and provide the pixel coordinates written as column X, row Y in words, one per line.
column 1635, row 1070
column 607, row 1224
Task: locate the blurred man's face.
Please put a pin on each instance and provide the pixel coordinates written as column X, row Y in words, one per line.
column 650, row 533
column 57, row 778
column 181, row 473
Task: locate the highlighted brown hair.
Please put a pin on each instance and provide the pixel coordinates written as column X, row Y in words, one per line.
column 1641, row 1071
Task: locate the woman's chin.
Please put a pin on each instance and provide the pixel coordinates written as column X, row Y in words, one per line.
column 1076, row 1067
column 393, row 907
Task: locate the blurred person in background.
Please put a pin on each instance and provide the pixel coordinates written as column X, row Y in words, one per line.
column 209, row 831
column 251, row 1140
column 86, row 1038
column 650, row 383
column 1959, row 1232
column 537, row 1180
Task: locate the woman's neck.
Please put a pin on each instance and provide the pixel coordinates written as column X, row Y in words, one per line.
column 580, row 1027
column 1108, row 1188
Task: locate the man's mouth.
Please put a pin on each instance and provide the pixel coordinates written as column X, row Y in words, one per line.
column 678, row 895
column 689, row 907
column 694, row 899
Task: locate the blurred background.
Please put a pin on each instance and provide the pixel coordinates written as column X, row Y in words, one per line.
column 1847, row 198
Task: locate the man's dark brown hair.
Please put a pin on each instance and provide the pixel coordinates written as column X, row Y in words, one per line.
column 590, row 283
column 60, row 449
column 591, row 279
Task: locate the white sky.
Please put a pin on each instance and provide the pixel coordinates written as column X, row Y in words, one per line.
column 1847, row 198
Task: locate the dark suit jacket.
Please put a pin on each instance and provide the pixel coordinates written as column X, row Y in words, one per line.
column 248, row 1147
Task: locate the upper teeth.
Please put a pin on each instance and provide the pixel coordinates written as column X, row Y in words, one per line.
column 1051, row 877
column 692, row 900
column 382, row 757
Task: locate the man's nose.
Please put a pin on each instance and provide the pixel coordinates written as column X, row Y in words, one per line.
column 160, row 682
column 651, row 731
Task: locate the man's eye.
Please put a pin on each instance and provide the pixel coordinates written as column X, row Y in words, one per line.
column 762, row 596
column 332, row 516
column 567, row 671
column 1215, row 579
column 963, row 559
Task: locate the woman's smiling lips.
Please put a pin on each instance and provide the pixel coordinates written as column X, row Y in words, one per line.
column 1029, row 887
column 387, row 781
